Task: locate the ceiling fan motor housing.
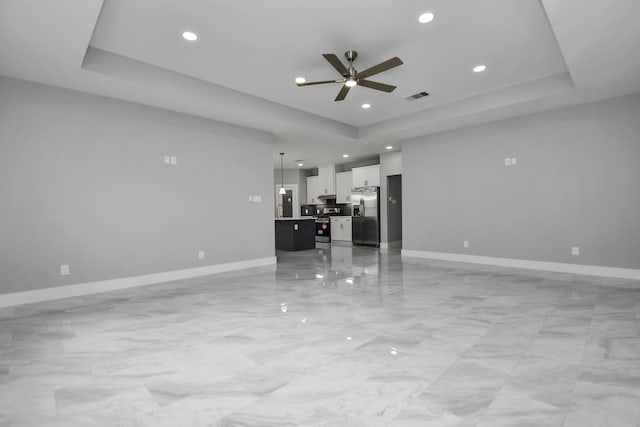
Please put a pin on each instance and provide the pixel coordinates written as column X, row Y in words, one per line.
column 351, row 55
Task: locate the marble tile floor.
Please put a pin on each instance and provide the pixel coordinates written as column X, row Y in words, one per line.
column 333, row 337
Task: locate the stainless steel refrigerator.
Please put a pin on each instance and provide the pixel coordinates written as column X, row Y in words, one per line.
column 365, row 212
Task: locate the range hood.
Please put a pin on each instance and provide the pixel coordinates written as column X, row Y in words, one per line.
column 326, row 196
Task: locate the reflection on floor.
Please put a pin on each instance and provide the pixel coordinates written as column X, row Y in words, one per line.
column 334, row 337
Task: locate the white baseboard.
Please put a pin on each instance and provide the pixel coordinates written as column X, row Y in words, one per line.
column 58, row 292
column 394, row 244
column 589, row 270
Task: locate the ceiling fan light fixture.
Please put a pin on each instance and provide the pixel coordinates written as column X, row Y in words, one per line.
column 479, row 68
column 300, row 80
column 426, row 17
column 351, row 82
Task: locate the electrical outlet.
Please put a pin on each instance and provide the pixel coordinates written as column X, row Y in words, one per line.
column 250, row 198
column 465, row 243
column 64, row 270
column 174, row 160
column 257, row 199
column 201, row 255
column 575, row 250
column 167, row 160
column 514, row 161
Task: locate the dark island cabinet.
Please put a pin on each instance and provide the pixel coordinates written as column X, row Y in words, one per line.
column 295, row 234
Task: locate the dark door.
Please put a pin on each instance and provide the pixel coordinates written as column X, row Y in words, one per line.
column 394, row 208
column 287, row 204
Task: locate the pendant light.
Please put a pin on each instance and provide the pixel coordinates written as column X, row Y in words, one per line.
column 282, row 190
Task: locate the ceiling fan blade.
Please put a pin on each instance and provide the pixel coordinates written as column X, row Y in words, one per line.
column 337, row 64
column 318, row 83
column 376, row 85
column 343, row 93
column 383, row 66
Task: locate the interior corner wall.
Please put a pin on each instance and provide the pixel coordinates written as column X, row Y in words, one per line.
column 576, row 183
column 390, row 164
column 83, row 182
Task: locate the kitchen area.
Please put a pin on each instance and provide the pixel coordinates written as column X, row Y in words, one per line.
column 341, row 208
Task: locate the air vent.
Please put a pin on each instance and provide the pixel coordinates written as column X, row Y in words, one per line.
column 417, row 96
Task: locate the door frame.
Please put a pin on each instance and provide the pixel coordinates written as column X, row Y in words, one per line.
column 294, row 196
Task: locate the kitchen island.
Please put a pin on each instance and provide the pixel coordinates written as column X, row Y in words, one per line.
column 295, row 234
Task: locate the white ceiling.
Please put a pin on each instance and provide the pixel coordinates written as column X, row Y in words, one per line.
column 540, row 54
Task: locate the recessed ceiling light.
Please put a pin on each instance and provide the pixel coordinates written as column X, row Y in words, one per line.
column 300, row 80
column 479, row 68
column 365, row 106
column 426, row 17
column 345, row 155
column 389, row 147
column 300, row 164
column 188, row 35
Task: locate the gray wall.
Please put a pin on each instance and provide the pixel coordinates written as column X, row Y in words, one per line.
column 577, row 183
column 390, row 164
column 83, row 182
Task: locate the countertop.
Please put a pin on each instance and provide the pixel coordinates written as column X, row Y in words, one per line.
column 296, row 219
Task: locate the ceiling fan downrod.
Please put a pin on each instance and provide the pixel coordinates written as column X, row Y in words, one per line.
column 351, row 79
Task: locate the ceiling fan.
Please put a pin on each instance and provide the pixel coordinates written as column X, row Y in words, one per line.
column 351, row 77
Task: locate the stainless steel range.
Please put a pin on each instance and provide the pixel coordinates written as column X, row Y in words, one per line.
column 323, row 229
column 323, row 223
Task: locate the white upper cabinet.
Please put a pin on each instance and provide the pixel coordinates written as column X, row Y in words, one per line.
column 344, row 182
column 368, row 176
column 313, row 190
column 327, row 182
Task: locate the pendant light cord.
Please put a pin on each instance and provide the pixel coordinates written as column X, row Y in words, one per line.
column 282, row 190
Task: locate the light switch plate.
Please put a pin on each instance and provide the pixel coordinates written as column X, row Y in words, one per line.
column 575, row 250
column 64, row 270
column 201, row 255
column 507, row 162
column 465, row 243
column 174, row 160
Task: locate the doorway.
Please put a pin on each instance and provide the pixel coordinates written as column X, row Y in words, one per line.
column 286, row 205
column 394, row 211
